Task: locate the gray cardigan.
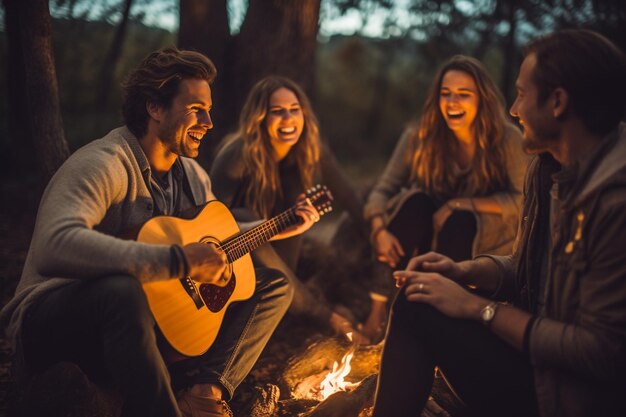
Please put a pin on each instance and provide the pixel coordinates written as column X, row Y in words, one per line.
column 495, row 233
column 99, row 193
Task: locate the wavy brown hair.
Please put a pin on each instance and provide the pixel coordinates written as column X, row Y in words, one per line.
column 433, row 142
column 257, row 152
column 157, row 79
column 589, row 67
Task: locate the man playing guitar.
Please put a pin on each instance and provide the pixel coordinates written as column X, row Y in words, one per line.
column 81, row 296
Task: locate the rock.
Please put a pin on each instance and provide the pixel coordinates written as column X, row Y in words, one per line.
column 263, row 403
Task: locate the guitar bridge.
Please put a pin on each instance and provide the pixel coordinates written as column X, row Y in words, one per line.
column 192, row 291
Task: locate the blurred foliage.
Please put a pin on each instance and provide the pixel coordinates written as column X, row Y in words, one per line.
column 367, row 89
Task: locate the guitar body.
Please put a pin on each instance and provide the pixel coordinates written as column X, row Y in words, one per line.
column 189, row 314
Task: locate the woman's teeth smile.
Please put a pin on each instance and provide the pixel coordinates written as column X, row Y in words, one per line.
column 455, row 114
column 286, row 130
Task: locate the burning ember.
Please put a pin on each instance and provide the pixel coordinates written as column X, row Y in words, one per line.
column 334, row 380
column 310, row 375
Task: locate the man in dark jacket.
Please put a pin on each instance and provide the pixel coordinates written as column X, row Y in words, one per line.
column 558, row 347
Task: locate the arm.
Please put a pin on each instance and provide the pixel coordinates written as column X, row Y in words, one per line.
column 484, row 273
column 394, row 177
column 65, row 240
column 505, row 203
column 455, row 301
column 227, row 177
column 489, row 205
column 590, row 344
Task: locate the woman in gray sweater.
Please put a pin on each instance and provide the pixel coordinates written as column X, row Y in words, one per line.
column 453, row 183
column 263, row 168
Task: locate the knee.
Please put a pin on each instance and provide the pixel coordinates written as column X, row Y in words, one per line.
column 123, row 297
column 284, row 288
column 276, row 286
column 461, row 219
column 420, row 202
column 418, row 314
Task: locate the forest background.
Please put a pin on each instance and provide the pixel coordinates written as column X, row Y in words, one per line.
column 366, row 64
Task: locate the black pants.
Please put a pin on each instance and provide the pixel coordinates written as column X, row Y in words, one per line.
column 106, row 327
column 412, row 225
column 489, row 375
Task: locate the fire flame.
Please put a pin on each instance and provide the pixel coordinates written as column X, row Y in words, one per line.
column 334, row 380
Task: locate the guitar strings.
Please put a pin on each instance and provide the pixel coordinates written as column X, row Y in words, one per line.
column 248, row 241
column 244, row 243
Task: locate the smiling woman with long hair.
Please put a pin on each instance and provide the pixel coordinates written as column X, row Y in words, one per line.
column 454, row 181
column 266, row 164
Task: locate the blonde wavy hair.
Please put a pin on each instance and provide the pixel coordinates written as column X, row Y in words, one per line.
column 263, row 188
column 432, row 142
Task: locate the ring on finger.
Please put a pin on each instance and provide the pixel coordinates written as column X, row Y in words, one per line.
column 420, row 287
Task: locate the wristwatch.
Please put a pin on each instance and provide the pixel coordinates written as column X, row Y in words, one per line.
column 488, row 313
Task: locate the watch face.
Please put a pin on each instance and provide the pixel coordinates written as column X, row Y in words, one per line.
column 487, row 313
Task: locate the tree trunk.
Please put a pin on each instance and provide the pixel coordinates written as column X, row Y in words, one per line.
column 107, row 71
column 18, row 139
column 278, row 37
column 41, row 87
column 204, row 28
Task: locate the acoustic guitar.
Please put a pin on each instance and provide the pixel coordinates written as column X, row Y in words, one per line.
column 189, row 313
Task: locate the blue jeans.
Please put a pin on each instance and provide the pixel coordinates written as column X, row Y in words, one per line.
column 106, row 327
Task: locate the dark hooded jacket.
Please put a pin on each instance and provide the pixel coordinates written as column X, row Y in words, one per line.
column 577, row 342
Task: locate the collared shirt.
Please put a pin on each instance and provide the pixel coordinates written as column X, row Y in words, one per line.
column 171, row 196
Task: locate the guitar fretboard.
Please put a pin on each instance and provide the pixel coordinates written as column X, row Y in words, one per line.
column 244, row 243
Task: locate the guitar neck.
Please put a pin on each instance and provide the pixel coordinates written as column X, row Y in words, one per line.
column 239, row 245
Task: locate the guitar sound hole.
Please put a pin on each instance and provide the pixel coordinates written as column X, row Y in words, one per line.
column 216, row 297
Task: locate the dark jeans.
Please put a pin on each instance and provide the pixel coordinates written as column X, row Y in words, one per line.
column 277, row 255
column 105, row 326
column 489, row 375
column 412, row 225
column 283, row 255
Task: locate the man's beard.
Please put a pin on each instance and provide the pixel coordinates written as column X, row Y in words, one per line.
column 169, row 138
column 536, row 142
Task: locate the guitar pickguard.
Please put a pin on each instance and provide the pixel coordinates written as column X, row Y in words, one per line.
column 216, row 297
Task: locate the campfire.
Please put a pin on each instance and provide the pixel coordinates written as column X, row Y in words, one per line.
column 334, row 380
column 330, row 378
column 320, row 383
